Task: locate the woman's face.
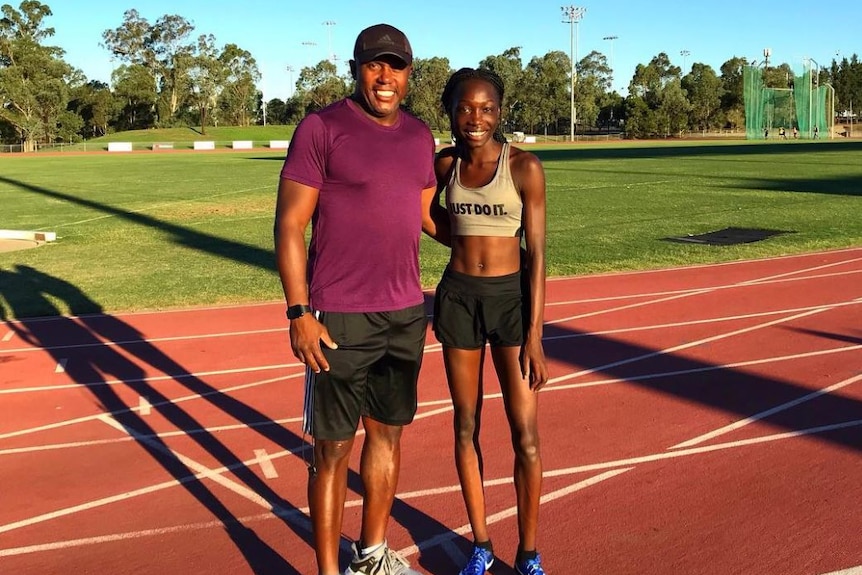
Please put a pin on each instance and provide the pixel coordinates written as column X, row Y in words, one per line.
column 476, row 112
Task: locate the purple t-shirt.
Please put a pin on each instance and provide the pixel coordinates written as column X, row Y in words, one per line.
column 364, row 249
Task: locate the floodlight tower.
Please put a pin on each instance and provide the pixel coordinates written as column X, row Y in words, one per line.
column 611, row 39
column 290, row 69
column 329, row 24
column 685, row 54
column 309, row 44
column 572, row 16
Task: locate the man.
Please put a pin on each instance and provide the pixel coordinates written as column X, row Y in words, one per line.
column 361, row 171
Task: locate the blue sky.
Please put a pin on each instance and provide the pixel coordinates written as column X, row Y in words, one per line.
column 284, row 33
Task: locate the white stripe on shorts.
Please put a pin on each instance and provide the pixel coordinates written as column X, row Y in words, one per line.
column 308, row 403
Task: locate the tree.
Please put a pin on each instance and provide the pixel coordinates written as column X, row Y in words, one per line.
column 237, row 100
column 703, row 88
column 732, row 96
column 206, row 77
column 510, row 69
column 135, row 92
column 320, row 85
column 34, row 79
column 426, row 84
column 162, row 48
column 547, row 103
column 594, row 80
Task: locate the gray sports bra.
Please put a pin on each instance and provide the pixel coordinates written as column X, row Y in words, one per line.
column 491, row 210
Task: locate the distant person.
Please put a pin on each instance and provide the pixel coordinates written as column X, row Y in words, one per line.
column 765, row 133
column 781, row 133
column 490, row 294
column 360, row 170
column 795, row 133
column 816, row 131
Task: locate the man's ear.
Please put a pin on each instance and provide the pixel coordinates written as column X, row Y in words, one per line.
column 353, row 69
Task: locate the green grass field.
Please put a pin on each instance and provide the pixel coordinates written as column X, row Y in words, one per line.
column 156, row 230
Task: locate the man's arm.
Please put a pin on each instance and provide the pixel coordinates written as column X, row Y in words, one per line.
column 295, row 205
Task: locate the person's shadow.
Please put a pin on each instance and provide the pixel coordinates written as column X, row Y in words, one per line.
column 92, row 370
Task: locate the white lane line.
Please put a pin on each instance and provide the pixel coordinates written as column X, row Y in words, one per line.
column 687, row 345
column 169, row 377
column 851, row 571
column 724, row 366
column 684, row 294
column 763, row 414
column 148, row 341
column 506, row 513
column 144, row 406
column 705, row 449
column 717, row 287
column 9, row 335
column 298, row 515
column 198, row 468
column 61, row 365
column 164, row 435
column 704, row 321
column 266, row 465
column 86, row 418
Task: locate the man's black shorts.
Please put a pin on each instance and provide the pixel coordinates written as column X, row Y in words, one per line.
column 373, row 373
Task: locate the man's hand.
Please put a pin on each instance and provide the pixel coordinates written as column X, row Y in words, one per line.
column 306, row 333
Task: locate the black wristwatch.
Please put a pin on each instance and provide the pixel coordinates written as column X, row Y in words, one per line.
column 297, row 311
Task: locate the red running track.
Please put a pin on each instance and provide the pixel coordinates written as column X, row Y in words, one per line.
column 700, row 420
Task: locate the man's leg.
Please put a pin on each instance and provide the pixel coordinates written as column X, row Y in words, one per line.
column 379, row 468
column 327, row 490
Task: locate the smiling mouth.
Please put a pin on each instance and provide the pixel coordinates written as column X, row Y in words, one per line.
column 476, row 133
column 385, row 94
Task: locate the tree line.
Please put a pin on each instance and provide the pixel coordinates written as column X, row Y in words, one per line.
column 165, row 76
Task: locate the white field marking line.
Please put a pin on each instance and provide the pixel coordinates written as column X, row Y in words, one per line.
column 171, row 311
column 9, row 335
column 699, row 291
column 738, row 364
column 168, row 377
column 144, row 406
column 763, row 414
column 507, row 513
column 199, row 472
column 849, row 571
column 61, row 365
column 704, row 449
column 299, row 513
column 637, row 295
column 266, row 465
column 700, row 321
column 199, row 469
column 126, row 438
column 155, row 207
column 148, row 340
column 86, row 418
column 687, row 345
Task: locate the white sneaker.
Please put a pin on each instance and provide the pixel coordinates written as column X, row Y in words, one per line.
column 383, row 561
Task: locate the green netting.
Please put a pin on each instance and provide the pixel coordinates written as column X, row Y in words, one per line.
column 769, row 109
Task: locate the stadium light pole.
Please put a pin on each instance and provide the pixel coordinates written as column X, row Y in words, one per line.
column 611, row 39
column 309, row 44
column 290, row 70
column 329, row 24
column 572, row 16
column 685, row 54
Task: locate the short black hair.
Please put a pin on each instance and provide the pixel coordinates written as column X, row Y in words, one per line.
column 465, row 74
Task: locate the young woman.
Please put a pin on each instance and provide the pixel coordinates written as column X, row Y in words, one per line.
column 492, row 292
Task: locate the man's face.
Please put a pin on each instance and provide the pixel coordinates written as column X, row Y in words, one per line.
column 381, row 85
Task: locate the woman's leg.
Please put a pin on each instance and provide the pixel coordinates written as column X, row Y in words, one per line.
column 464, row 374
column 522, row 412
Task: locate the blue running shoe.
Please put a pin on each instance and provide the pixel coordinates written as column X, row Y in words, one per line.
column 530, row 566
column 479, row 562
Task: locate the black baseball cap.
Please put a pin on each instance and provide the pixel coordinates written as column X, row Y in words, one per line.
column 379, row 40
